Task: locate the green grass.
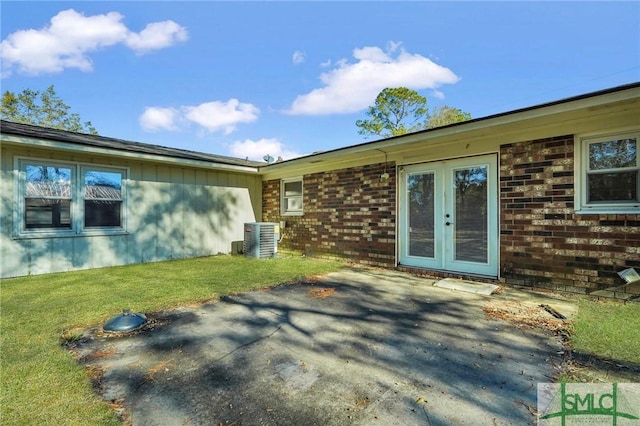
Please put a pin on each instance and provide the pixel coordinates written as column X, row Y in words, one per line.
column 607, row 331
column 40, row 381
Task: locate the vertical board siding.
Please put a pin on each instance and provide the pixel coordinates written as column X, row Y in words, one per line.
column 147, row 252
column 171, row 212
column 11, row 256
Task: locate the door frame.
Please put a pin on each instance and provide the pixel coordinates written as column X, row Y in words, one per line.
column 443, row 189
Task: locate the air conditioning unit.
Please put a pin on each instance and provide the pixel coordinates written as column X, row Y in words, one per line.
column 261, row 239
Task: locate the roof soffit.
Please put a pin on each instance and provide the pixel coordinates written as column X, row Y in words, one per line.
column 536, row 122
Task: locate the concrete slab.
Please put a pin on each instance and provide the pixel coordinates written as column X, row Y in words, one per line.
column 466, row 286
column 564, row 305
column 626, row 292
column 358, row 347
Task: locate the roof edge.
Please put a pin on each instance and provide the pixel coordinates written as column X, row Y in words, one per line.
column 114, row 144
column 616, row 89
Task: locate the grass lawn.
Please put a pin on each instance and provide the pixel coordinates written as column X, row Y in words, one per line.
column 605, row 335
column 42, row 383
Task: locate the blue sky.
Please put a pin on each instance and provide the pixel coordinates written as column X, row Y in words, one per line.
column 247, row 79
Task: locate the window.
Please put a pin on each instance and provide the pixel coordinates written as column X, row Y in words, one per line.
column 47, row 199
column 610, row 176
column 56, row 199
column 291, row 191
column 102, row 198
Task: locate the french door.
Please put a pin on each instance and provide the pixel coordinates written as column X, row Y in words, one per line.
column 449, row 215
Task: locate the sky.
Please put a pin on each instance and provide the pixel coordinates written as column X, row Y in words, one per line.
column 285, row 79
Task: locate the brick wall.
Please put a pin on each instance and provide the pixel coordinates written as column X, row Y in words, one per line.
column 543, row 243
column 348, row 213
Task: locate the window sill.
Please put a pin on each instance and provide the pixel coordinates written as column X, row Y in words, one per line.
column 602, row 210
column 69, row 234
column 292, row 214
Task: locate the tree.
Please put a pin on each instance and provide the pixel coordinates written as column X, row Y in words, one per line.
column 399, row 110
column 396, row 111
column 42, row 109
column 447, row 115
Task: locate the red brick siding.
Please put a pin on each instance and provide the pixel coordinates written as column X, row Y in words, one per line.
column 348, row 213
column 543, row 243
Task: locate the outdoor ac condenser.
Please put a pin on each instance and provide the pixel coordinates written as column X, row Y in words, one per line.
column 261, row 239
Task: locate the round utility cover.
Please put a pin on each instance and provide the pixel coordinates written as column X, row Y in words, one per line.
column 126, row 321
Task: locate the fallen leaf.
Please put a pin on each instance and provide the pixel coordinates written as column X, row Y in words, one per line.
column 321, row 292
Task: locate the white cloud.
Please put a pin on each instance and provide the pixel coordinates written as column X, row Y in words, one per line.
column 156, row 35
column 156, row 118
column 437, row 94
column 70, row 36
column 257, row 150
column 221, row 116
column 392, row 46
column 214, row 116
column 298, row 57
column 372, row 54
column 351, row 87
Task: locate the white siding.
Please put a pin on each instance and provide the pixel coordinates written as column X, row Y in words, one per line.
column 172, row 212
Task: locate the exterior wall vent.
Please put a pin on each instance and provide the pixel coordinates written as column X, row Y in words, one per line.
column 261, row 239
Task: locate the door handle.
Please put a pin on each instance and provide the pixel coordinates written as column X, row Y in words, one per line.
column 448, row 223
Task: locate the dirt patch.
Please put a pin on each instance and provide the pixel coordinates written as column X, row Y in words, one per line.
column 95, row 355
column 537, row 316
column 157, row 368
column 321, row 292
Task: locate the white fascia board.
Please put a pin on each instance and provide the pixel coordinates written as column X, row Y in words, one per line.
column 63, row 146
column 483, row 123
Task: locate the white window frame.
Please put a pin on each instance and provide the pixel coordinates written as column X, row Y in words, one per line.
column 99, row 168
column 77, row 200
column 284, row 199
column 581, row 172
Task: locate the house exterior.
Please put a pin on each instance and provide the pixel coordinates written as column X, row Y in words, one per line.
column 71, row 201
column 546, row 196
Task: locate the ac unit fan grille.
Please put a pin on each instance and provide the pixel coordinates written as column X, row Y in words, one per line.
column 260, row 239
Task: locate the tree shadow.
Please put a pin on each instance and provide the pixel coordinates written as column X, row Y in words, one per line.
column 580, row 365
column 368, row 352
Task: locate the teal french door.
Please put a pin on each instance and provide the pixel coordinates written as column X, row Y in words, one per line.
column 449, row 215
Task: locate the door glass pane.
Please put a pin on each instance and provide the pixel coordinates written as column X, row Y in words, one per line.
column 420, row 188
column 470, row 186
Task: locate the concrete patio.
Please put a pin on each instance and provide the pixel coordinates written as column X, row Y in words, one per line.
column 356, row 347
